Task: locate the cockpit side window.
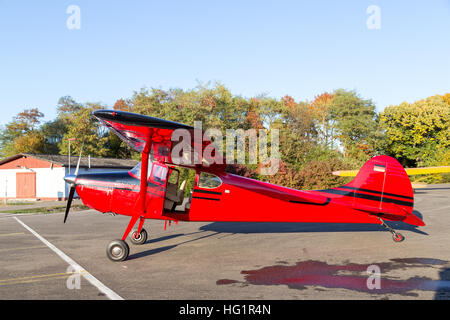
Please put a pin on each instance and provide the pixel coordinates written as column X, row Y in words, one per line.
column 209, row 181
column 159, row 173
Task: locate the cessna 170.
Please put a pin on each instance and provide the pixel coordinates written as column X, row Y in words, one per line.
column 152, row 190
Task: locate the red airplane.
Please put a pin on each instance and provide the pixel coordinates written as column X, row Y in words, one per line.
column 152, row 190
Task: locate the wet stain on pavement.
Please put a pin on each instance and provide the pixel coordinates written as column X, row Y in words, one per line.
column 226, row 281
column 349, row 276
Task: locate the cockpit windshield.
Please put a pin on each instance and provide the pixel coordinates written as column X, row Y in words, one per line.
column 158, row 175
column 136, row 171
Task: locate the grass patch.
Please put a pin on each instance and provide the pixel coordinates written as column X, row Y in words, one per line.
column 77, row 207
column 18, row 203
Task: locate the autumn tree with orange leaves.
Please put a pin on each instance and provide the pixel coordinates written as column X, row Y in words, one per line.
column 22, row 134
column 336, row 130
column 321, row 108
column 122, row 105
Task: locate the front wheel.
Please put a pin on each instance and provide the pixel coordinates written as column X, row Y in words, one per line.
column 117, row 250
column 139, row 238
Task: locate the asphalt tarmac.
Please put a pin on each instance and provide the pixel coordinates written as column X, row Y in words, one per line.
column 42, row 258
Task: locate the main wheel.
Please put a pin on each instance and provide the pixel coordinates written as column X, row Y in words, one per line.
column 117, row 250
column 139, row 238
column 398, row 237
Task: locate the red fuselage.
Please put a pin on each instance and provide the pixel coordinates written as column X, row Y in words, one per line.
column 236, row 199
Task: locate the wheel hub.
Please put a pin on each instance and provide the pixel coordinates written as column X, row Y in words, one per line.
column 116, row 251
column 137, row 236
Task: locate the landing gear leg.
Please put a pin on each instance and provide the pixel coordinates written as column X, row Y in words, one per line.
column 140, row 235
column 396, row 236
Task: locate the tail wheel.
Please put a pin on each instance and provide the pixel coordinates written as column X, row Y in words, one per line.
column 398, row 237
column 117, row 250
column 139, row 238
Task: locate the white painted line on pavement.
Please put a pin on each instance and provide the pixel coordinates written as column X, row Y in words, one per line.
column 76, row 267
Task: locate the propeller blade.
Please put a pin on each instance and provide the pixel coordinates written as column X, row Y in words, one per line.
column 69, row 202
column 70, row 179
column 79, row 160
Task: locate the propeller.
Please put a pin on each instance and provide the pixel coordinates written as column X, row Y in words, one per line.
column 70, row 179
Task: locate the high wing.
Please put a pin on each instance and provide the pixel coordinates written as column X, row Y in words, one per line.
column 136, row 130
column 140, row 132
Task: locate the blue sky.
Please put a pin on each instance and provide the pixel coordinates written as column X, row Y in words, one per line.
column 300, row 48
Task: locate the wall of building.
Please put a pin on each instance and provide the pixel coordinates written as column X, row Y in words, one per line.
column 8, row 182
column 50, row 184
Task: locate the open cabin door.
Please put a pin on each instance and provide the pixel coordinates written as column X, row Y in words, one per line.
column 156, row 188
column 174, row 198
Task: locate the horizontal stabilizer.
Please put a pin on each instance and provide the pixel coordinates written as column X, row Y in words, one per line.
column 391, row 212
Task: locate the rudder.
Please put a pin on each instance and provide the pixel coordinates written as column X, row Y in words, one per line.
column 385, row 182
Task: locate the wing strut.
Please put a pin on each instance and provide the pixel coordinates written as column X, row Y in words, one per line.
column 144, row 175
column 140, row 212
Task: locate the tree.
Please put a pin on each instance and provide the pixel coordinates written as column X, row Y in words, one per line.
column 337, row 130
column 75, row 121
column 122, row 105
column 67, row 106
column 286, row 176
column 32, row 142
column 355, row 124
column 298, row 134
column 21, row 135
column 53, row 132
column 446, row 98
column 417, row 132
column 321, row 108
column 25, row 121
column 88, row 134
column 318, row 174
column 119, row 149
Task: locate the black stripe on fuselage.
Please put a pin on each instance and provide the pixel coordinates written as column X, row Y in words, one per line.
column 207, row 191
column 377, row 192
column 202, row 198
column 311, row 203
column 355, row 194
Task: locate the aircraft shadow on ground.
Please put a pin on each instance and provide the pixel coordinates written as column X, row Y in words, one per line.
column 150, row 252
column 273, row 227
column 427, row 189
column 294, row 227
column 443, row 290
column 165, row 248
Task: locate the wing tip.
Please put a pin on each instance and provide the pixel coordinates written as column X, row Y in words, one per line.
column 136, row 119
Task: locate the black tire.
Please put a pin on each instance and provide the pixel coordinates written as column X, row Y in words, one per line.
column 117, row 250
column 398, row 237
column 140, row 239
